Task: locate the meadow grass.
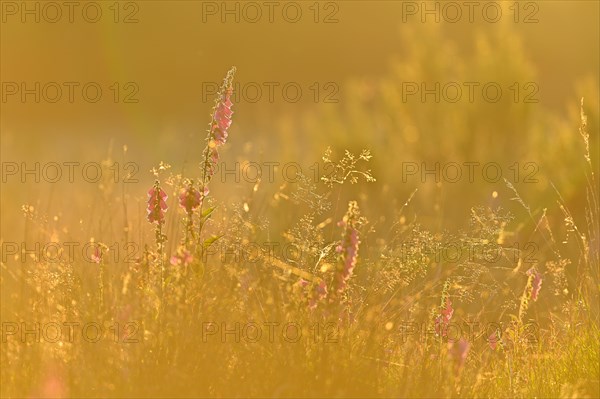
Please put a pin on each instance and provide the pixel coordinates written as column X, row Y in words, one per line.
column 360, row 313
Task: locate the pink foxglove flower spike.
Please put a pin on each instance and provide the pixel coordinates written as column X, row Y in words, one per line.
column 443, row 320
column 217, row 135
column 536, row 283
column 189, row 198
column 218, row 128
column 157, row 204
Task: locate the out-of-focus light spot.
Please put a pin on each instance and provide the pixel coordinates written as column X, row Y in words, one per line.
column 411, row 134
column 326, row 267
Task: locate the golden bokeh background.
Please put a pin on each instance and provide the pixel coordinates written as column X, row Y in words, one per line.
column 165, row 60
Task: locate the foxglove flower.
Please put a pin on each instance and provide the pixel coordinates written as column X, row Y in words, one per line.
column 97, row 255
column 157, row 204
column 315, row 292
column 318, row 294
column 182, row 257
column 459, row 352
column 536, row 283
column 219, row 126
column 212, row 159
column 493, row 340
column 189, row 198
column 443, row 320
column 222, row 117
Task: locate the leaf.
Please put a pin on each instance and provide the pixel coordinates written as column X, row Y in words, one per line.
column 211, row 240
column 206, row 213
